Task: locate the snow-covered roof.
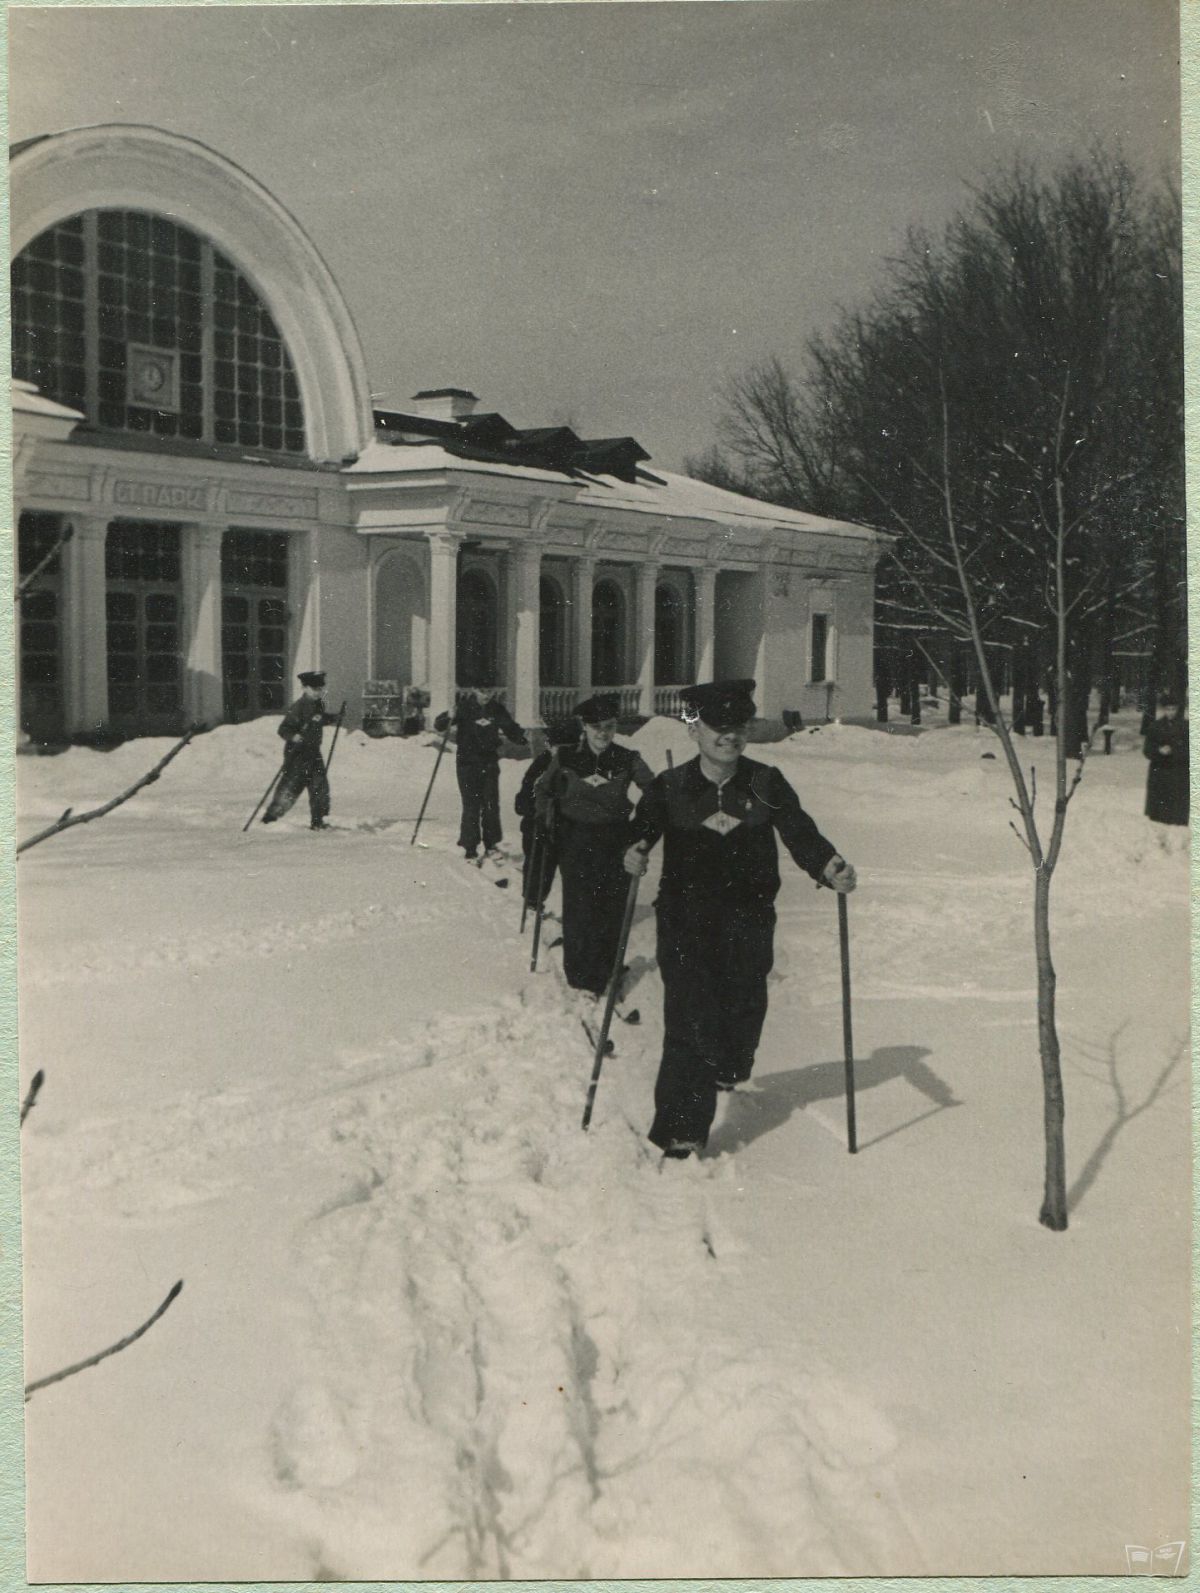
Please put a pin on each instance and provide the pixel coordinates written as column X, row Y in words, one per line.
column 26, row 400
column 658, row 492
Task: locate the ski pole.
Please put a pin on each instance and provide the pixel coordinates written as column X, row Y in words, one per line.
column 610, row 1000
column 847, row 1037
column 336, row 729
column 541, row 890
column 530, row 872
column 429, row 787
column 274, row 782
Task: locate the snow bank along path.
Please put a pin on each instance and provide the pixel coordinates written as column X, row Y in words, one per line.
column 431, row 1330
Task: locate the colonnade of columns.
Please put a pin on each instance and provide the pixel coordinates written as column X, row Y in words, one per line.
column 83, row 622
column 521, row 597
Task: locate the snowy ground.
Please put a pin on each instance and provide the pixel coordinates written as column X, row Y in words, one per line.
column 431, row 1330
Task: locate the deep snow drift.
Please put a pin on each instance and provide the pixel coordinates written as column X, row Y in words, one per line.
column 429, row 1329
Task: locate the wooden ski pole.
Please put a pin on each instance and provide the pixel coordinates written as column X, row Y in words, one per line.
column 610, row 999
column 528, row 874
column 336, row 732
column 429, row 787
column 265, row 795
column 847, row 1036
column 541, row 905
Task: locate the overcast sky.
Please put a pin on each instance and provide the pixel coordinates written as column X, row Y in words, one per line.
column 595, row 213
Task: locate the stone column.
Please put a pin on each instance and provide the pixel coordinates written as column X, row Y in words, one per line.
column 647, row 580
column 203, row 689
column 522, row 630
column 303, row 606
column 706, row 591
column 583, row 581
column 85, row 627
column 443, row 609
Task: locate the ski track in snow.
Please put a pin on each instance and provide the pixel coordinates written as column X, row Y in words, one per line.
column 496, row 1419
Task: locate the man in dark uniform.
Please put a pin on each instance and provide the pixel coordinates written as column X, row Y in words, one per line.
column 719, row 815
column 481, row 721
column 588, row 786
column 303, row 766
column 541, row 862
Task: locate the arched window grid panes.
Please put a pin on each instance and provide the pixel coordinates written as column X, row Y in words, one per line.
column 147, row 327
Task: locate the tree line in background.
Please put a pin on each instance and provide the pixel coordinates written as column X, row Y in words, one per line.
column 1026, row 369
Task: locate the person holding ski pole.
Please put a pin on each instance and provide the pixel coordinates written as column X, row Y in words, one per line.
column 303, row 766
column 589, row 785
column 718, row 816
column 537, row 839
column 481, row 722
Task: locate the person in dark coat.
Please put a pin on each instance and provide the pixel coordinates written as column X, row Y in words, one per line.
column 303, row 766
column 481, row 723
column 1166, row 746
column 588, row 787
column 718, row 815
column 541, row 861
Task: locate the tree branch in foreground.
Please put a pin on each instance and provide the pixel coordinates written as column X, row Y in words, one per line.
column 31, row 1095
column 93, row 1360
column 26, row 581
column 70, row 817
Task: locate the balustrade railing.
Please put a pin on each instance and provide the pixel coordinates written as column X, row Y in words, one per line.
column 668, row 700
column 556, row 702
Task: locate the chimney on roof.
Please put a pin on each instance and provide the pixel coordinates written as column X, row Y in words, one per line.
column 444, row 403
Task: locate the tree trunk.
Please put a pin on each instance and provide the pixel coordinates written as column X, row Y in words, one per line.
column 1054, row 1202
column 958, row 684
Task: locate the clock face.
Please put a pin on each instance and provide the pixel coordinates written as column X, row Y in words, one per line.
column 153, row 377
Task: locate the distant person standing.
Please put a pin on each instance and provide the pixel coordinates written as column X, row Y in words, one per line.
column 303, row 766
column 588, row 785
column 1166, row 746
column 481, row 722
column 718, row 816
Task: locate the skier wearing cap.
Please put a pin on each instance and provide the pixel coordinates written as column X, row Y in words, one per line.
column 718, row 816
column 481, row 722
column 303, row 765
column 589, row 785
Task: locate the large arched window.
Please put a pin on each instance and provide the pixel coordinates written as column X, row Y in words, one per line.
column 608, row 634
column 146, row 327
column 476, row 630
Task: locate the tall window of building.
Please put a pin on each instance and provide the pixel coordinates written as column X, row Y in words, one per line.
column 819, row 662
column 146, row 327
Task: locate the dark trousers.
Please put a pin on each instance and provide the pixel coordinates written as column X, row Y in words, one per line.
column 303, row 768
column 479, row 787
column 594, row 888
column 541, row 852
column 714, row 964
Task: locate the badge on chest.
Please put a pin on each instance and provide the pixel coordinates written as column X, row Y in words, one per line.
column 595, row 780
column 721, row 822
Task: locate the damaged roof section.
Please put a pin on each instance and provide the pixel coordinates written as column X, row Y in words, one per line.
column 447, row 416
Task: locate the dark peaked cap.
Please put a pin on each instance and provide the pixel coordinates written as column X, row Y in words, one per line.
column 721, row 704
column 562, row 733
column 594, row 710
column 312, row 677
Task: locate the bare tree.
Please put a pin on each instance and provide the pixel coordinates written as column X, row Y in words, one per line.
column 1010, row 406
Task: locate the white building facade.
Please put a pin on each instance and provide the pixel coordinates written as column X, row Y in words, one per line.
column 207, row 503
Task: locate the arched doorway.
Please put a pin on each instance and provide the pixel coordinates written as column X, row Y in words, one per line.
column 552, row 638
column 670, row 636
column 477, row 663
column 400, row 625
column 608, row 634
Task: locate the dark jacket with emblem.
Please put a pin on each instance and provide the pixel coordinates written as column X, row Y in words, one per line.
column 709, row 859
column 479, row 729
column 306, row 719
column 606, row 799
